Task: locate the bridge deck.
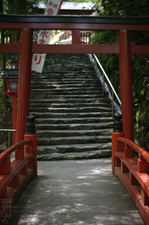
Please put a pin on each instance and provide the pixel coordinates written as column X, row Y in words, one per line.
column 75, row 193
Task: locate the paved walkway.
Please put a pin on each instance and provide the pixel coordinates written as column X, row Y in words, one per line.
column 75, row 193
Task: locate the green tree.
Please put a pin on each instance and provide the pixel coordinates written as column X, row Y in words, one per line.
column 140, row 63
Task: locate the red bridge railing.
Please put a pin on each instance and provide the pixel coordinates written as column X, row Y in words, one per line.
column 132, row 170
column 15, row 175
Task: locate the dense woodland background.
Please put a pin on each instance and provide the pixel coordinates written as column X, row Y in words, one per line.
column 140, row 63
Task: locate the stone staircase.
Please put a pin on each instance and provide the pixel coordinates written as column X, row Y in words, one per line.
column 73, row 120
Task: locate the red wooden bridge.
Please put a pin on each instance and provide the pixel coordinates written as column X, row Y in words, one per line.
column 132, row 172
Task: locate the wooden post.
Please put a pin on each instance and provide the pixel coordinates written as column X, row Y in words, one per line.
column 126, row 84
column 76, row 37
column 24, row 82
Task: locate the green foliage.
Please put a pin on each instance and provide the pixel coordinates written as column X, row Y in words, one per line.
column 140, row 63
column 5, row 116
column 27, row 6
column 140, row 71
column 122, row 8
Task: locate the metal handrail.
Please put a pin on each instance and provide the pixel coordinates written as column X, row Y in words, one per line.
column 9, row 137
column 8, row 130
column 106, row 76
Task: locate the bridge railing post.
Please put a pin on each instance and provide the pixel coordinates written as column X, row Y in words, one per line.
column 5, row 166
column 117, row 132
column 31, row 149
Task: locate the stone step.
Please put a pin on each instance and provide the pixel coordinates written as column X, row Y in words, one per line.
column 70, row 100
column 60, row 80
column 67, row 75
column 73, row 120
column 36, row 95
column 47, row 88
column 73, row 140
column 68, row 64
column 73, row 148
column 88, row 126
column 68, row 105
column 65, row 86
column 64, row 82
column 71, row 110
column 75, row 155
column 65, row 72
column 67, row 91
column 71, row 115
column 72, row 133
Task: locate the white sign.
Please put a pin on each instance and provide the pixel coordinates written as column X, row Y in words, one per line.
column 53, row 7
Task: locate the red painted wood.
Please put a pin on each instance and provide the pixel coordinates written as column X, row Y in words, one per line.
column 143, row 166
column 132, row 179
column 101, row 49
column 72, row 26
column 18, row 182
column 5, row 166
column 126, row 84
column 33, row 149
column 134, row 193
column 128, row 152
column 76, row 37
column 15, row 181
column 23, row 171
column 8, row 151
column 19, row 153
column 131, row 164
column 76, row 48
column 138, row 49
column 117, row 162
column 145, row 198
column 115, row 137
column 16, row 166
column 136, row 147
column 124, row 168
column 24, row 84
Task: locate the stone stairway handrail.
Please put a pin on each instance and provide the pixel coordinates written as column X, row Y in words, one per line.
column 9, row 131
column 106, row 76
column 105, row 85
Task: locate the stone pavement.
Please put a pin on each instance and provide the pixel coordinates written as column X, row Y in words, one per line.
column 79, row 192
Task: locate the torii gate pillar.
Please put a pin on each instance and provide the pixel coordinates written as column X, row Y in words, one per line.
column 126, row 84
column 24, row 82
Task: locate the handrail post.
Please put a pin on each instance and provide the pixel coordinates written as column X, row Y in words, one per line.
column 30, row 135
column 5, row 167
column 117, row 132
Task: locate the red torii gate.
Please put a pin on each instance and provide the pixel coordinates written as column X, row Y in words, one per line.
column 76, row 24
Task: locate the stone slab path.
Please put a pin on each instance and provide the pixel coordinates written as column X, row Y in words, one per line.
column 80, row 192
